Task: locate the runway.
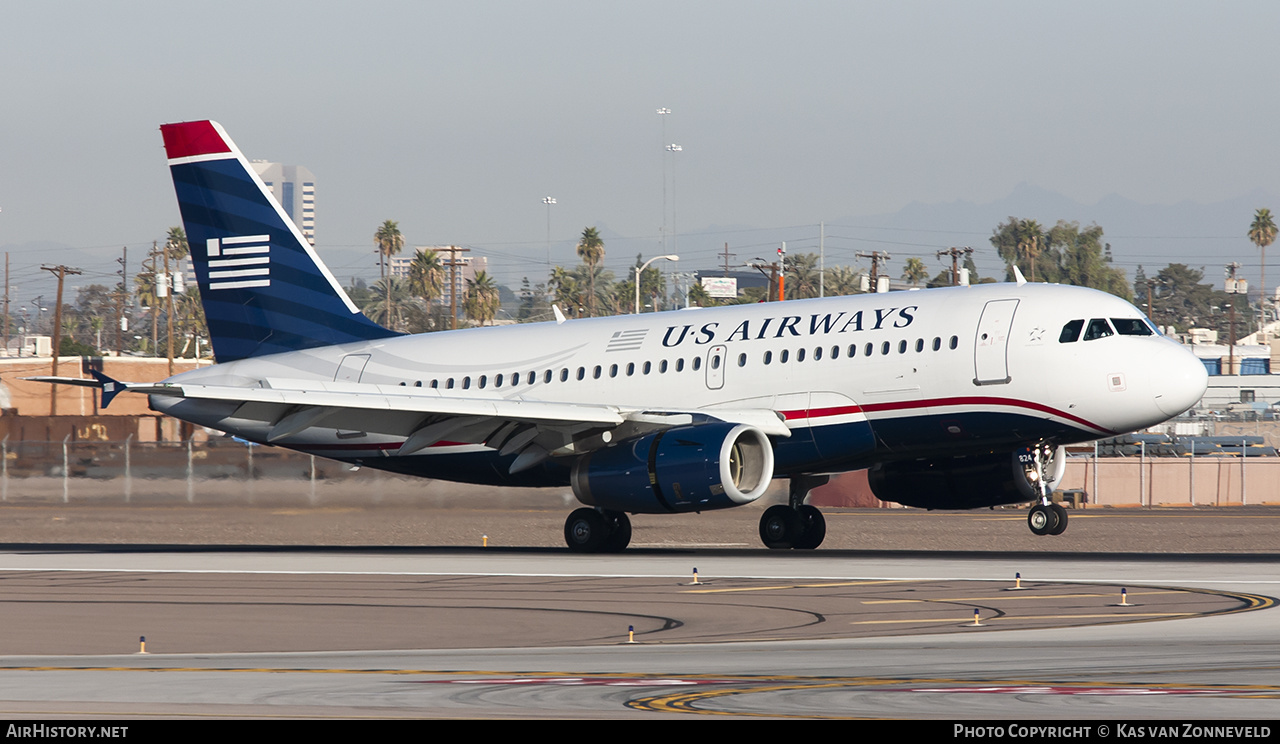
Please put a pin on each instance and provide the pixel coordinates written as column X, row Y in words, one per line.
column 542, row 633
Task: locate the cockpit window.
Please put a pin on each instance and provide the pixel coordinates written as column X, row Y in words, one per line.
column 1098, row 328
column 1131, row 326
column 1071, row 331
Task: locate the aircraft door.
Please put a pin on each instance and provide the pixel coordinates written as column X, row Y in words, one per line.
column 991, row 346
column 352, row 368
column 715, row 367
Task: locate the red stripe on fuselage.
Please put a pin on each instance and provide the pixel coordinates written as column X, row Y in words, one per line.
column 907, row 405
column 191, row 138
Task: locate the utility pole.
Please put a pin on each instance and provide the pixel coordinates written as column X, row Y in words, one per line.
column 155, row 299
column 822, row 259
column 877, row 257
column 6, row 303
column 61, row 272
column 773, row 276
column 955, row 254
column 726, row 255
column 1233, row 288
column 1151, row 308
column 122, row 300
column 781, row 272
column 168, row 282
column 453, row 263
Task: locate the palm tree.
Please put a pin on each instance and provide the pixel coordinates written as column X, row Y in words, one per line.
column 482, row 299
column 843, row 280
column 697, row 296
column 1263, row 233
column 566, row 290
column 393, row 296
column 915, row 271
column 801, row 271
column 1030, row 243
column 388, row 241
column 176, row 244
column 591, row 251
column 426, row 275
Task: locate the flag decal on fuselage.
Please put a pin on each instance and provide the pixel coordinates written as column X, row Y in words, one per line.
column 626, row 340
column 239, row 262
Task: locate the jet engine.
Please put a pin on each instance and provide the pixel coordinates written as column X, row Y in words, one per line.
column 689, row 468
column 969, row 482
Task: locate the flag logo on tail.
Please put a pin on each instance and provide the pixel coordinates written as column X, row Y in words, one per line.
column 239, row 262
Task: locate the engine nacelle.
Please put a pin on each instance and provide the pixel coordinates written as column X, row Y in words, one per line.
column 688, row 468
column 966, row 482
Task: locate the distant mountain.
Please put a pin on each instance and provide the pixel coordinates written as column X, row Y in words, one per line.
column 1153, row 235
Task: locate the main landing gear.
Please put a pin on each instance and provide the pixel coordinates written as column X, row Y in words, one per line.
column 597, row 531
column 1045, row 517
column 795, row 524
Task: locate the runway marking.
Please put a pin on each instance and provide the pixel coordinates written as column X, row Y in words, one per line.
column 694, row 701
column 824, row 585
column 1026, row 617
column 699, row 691
column 1007, row 597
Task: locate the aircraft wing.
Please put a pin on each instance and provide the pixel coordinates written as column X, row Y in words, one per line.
column 535, row 429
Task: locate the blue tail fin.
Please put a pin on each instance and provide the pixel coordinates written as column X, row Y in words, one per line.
column 263, row 287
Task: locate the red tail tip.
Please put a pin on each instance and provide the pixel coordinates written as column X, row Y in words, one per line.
column 190, row 138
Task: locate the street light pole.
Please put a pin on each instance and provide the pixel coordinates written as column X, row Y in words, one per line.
column 548, row 200
column 640, row 270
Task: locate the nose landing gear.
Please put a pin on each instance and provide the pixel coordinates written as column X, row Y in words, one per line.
column 1045, row 517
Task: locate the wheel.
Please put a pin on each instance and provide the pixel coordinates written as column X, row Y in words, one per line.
column 586, row 531
column 780, row 526
column 1061, row 514
column 1042, row 519
column 619, row 532
column 813, row 528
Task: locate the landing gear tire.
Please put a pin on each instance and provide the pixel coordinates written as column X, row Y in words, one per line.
column 590, row 531
column 813, row 528
column 780, row 527
column 1061, row 513
column 1043, row 519
column 619, row 533
column 586, row 531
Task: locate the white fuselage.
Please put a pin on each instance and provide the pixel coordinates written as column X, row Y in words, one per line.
column 856, row 379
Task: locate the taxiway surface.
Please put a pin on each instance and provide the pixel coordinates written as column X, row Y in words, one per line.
column 541, row 633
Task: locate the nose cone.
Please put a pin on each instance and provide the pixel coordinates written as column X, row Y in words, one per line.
column 1178, row 379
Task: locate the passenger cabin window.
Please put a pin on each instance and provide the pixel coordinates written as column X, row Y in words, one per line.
column 1098, row 328
column 1131, row 327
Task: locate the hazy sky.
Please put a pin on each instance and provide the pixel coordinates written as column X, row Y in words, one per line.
column 456, row 118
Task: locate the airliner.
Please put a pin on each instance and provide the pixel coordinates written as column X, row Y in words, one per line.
column 951, row 398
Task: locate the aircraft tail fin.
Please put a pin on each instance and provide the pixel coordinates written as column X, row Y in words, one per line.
column 263, row 287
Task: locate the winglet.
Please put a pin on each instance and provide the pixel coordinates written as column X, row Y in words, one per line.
column 1017, row 273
